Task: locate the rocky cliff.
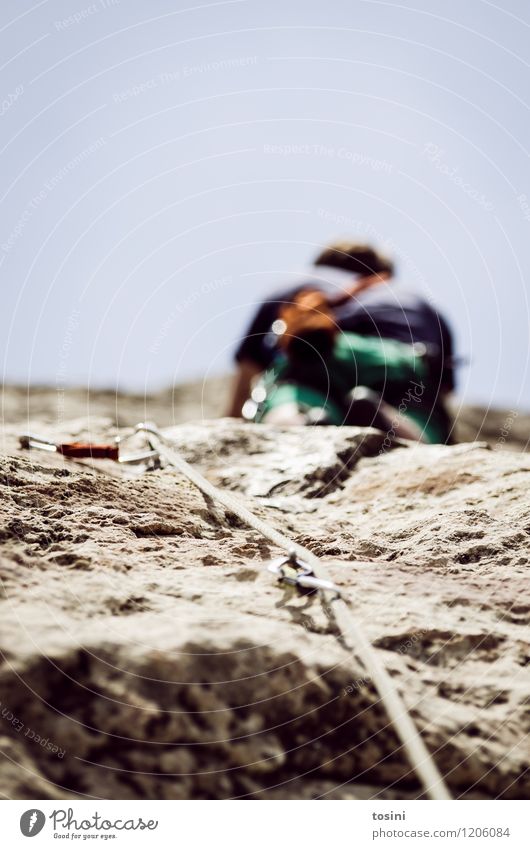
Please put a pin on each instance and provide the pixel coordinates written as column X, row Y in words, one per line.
column 148, row 652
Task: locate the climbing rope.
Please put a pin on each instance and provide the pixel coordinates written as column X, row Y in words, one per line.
column 304, row 569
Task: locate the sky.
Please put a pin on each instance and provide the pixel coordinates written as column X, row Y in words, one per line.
column 165, row 165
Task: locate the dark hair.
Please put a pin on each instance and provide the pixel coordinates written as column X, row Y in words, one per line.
column 355, row 257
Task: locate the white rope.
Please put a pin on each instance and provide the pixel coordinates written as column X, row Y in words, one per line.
column 418, row 754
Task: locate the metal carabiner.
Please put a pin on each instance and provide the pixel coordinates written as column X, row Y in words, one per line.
column 291, row 570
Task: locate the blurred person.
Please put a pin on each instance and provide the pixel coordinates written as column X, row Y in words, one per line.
column 322, row 375
column 369, row 307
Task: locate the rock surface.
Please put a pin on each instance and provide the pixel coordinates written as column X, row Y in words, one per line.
column 206, row 399
column 148, row 653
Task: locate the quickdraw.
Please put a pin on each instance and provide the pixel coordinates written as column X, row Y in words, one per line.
column 295, row 572
column 90, row 450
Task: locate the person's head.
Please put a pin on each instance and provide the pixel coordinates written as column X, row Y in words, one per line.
column 355, row 257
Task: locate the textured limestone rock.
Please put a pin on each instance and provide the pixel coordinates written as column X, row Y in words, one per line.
column 143, row 638
column 206, row 399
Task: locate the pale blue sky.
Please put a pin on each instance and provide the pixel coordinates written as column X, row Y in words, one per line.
column 165, row 164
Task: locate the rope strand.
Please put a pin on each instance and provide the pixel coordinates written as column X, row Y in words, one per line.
column 417, row 752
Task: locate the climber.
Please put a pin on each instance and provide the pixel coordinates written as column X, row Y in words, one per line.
column 321, row 376
column 377, row 314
